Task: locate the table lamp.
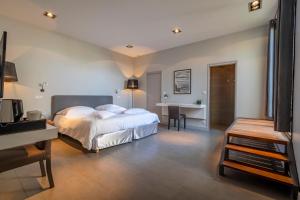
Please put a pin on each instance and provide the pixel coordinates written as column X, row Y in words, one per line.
column 10, row 73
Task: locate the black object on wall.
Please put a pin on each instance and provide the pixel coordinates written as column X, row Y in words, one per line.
column 285, row 65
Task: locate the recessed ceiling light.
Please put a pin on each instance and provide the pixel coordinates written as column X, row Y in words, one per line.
column 129, row 46
column 176, row 30
column 254, row 5
column 49, row 14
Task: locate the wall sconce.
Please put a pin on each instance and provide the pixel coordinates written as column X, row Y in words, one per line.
column 165, row 96
column 117, row 92
column 42, row 86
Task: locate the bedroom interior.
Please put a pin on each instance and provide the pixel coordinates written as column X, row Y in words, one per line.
column 149, row 99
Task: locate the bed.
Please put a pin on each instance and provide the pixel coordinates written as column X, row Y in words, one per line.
column 94, row 133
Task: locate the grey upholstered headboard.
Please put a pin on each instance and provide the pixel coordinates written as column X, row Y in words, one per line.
column 60, row 102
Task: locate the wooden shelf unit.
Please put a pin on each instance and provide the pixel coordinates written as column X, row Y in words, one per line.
column 277, row 156
column 256, row 131
column 265, row 174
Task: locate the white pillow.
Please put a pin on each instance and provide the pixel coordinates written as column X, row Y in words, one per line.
column 133, row 111
column 103, row 114
column 77, row 111
column 111, row 108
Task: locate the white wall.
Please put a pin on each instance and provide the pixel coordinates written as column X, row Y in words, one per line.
column 71, row 66
column 296, row 123
column 68, row 65
column 248, row 48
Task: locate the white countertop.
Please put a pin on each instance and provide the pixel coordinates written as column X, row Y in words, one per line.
column 28, row 137
column 182, row 105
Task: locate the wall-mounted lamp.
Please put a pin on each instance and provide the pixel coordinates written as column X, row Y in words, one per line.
column 117, row 91
column 165, row 96
column 10, row 73
column 42, row 86
column 254, row 5
column 132, row 84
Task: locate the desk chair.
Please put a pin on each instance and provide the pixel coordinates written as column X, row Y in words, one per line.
column 20, row 156
column 174, row 113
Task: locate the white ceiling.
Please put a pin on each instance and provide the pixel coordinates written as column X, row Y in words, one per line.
column 146, row 24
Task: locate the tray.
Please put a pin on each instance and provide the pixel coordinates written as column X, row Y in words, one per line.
column 21, row 126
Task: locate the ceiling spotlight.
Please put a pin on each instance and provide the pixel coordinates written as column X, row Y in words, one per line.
column 129, row 46
column 176, row 30
column 254, row 5
column 49, row 14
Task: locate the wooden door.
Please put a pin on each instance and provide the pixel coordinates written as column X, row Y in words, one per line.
column 222, row 95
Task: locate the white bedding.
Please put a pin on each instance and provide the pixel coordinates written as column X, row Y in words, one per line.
column 85, row 129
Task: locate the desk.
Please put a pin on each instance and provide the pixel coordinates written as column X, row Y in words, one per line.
column 193, row 111
column 182, row 105
column 12, row 140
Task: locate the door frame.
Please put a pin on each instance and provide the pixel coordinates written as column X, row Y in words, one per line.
column 148, row 73
column 208, row 87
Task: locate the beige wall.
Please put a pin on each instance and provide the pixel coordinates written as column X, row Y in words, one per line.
column 68, row 65
column 248, row 48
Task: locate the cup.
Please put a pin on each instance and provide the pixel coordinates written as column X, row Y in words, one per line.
column 34, row 115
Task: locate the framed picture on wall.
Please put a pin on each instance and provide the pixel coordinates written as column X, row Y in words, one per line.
column 182, row 81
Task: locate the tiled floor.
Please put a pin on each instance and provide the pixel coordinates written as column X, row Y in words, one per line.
column 169, row 165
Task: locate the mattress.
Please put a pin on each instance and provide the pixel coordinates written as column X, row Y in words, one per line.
column 85, row 129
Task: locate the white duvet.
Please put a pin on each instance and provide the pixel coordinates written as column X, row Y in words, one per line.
column 85, row 129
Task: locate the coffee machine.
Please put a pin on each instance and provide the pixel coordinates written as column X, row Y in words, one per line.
column 11, row 110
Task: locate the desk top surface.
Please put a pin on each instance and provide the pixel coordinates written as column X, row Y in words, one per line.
column 28, row 137
column 183, row 105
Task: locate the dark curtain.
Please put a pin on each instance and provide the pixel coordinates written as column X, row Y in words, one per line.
column 270, row 107
column 285, row 65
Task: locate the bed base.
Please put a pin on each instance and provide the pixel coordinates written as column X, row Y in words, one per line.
column 113, row 139
column 123, row 137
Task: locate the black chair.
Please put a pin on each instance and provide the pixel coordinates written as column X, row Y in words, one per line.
column 174, row 113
